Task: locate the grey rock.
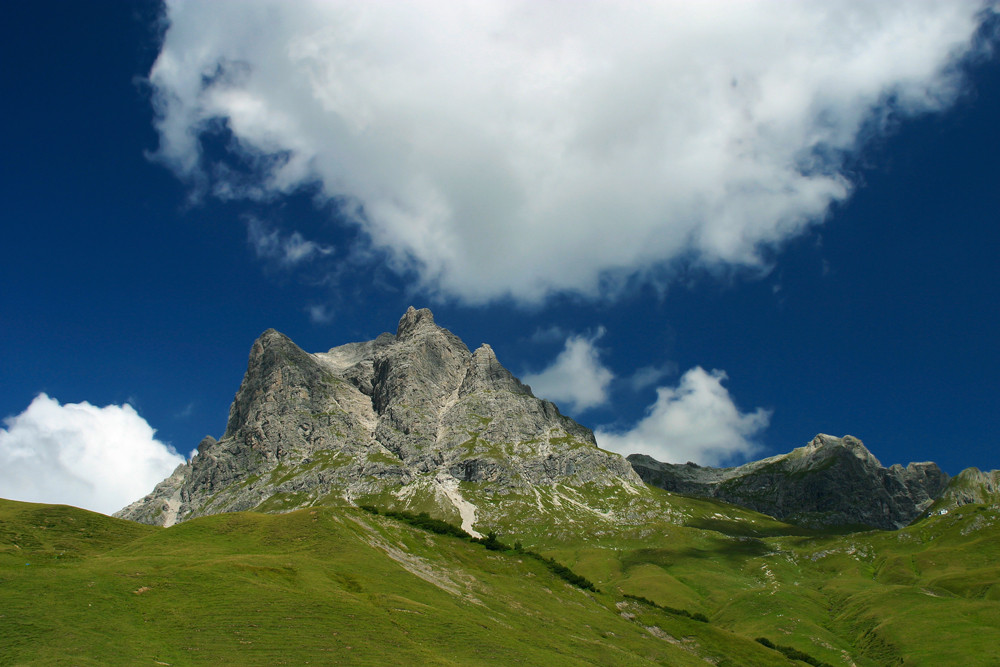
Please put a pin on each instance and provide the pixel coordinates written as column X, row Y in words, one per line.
column 829, row 482
column 971, row 486
column 413, row 416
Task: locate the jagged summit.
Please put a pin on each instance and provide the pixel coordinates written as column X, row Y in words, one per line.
column 413, row 418
column 829, row 481
column 414, row 320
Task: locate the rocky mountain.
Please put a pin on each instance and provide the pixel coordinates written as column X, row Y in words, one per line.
column 412, row 420
column 830, row 481
column 971, row 486
column 415, row 420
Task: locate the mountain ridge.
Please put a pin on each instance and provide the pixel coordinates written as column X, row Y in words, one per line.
column 412, row 417
column 416, row 421
column 830, row 481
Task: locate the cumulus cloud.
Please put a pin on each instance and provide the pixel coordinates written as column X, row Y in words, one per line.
column 520, row 148
column 695, row 421
column 78, row 454
column 287, row 250
column 576, row 380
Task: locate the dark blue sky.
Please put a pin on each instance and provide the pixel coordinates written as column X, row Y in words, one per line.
column 880, row 322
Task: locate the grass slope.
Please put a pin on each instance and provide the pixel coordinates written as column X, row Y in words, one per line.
column 319, row 586
column 925, row 595
column 337, row 585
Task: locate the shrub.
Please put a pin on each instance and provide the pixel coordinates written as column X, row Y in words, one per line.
column 792, row 653
column 491, row 542
column 694, row 616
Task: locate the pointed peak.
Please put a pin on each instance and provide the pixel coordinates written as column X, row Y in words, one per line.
column 271, row 343
column 275, row 348
column 485, row 350
column 414, row 319
column 824, row 442
column 486, row 372
column 272, row 336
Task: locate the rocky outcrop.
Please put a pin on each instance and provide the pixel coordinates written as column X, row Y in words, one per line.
column 413, row 417
column 829, row 482
column 971, row 486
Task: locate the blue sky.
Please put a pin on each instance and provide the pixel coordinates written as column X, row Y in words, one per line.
column 701, row 246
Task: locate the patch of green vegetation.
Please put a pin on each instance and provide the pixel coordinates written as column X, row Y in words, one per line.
column 376, row 455
column 476, row 446
column 249, row 480
column 471, row 445
column 282, row 473
column 329, row 458
column 568, row 441
column 282, row 502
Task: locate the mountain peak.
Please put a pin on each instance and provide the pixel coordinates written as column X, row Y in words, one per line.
column 413, row 320
column 414, row 420
column 823, row 446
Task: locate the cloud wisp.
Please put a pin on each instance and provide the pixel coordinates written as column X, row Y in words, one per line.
column 647, row 376
column 520, row 149
column 287, row 250
column 78, row 454
column 577, row 379
column 695, row 421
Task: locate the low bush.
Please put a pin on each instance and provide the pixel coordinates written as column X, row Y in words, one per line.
column 490, row 542
column 792, row 653
column 695, row 616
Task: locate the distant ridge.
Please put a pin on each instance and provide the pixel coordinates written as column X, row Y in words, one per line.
column 829, row 482
column 969, row 487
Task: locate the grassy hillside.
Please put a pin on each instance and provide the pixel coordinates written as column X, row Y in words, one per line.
column 337, row 585
column 924, row 595
column 320, row 586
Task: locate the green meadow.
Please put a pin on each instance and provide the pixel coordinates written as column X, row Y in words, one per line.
column 339, row 585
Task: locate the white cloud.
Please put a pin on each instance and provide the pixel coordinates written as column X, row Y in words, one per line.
column 577, row 380
column 504, row 148
column 78, row 454
column 285, row 249
column 695, row 421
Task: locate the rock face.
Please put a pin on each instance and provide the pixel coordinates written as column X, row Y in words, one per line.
column 829, row 482
column 413, row 418
column 971, row 486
